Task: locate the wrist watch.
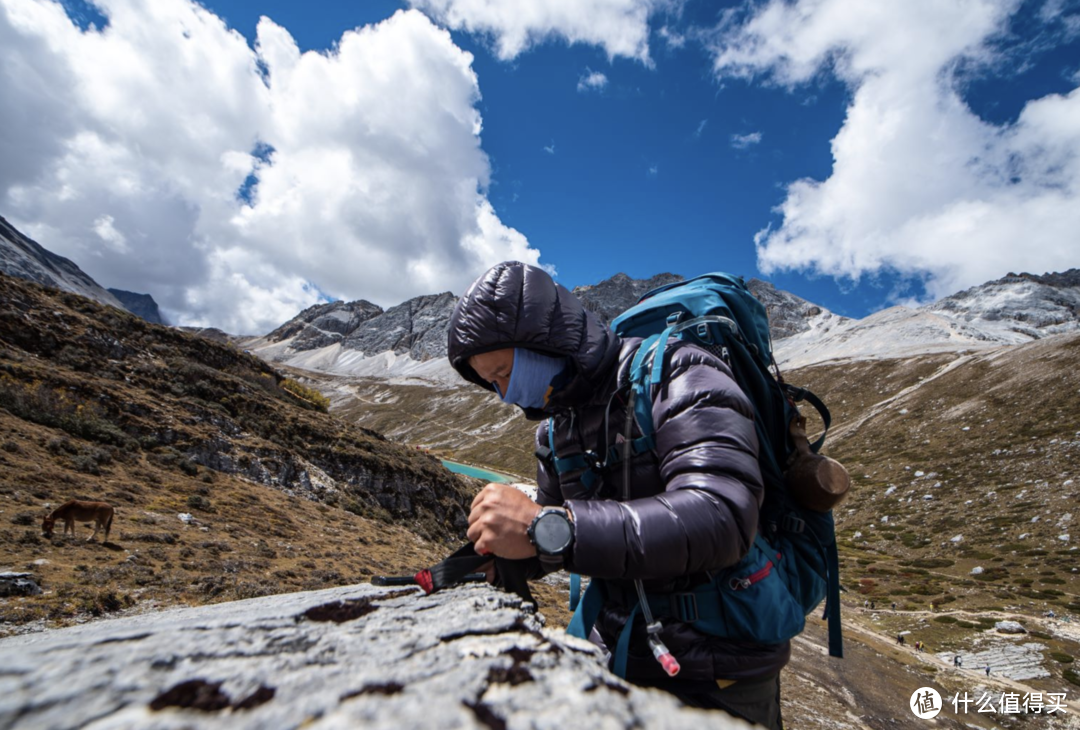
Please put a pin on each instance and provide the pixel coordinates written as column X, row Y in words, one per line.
column 551, row 532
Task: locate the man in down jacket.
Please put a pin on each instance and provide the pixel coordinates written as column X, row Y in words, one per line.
column 693, row 500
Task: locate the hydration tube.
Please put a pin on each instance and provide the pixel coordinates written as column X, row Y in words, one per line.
column 669, row 663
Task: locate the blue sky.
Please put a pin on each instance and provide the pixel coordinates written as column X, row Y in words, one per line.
column 878, row 155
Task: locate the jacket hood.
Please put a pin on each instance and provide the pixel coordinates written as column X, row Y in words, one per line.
column 517, row 305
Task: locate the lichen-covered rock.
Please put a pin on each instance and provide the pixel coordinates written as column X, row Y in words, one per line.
column 360, row 656
column 18, row 584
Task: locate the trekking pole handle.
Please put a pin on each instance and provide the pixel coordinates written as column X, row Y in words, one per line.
column 393, row 580
column 410, row 580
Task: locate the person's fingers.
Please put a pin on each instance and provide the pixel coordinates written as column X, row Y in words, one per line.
column 480, row 545
column 484, row 494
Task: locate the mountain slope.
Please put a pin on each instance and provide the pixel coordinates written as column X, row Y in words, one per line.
column 1011, row 310
column 966, row 482
column 96, row 403
column 142, row 305
column 1019, row 307
column 25, row 258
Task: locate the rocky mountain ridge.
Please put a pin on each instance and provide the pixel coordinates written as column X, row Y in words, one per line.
column 406, row 343
column 141, row 305
column 611, row 297
column 1018, row 307
column 24, row 258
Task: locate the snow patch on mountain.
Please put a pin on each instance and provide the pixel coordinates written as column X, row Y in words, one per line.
column 1015, row 309
column 337, row 359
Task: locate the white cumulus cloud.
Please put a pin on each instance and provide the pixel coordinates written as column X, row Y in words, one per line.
column 620, row 27
column 591, row 81
column 126, row 149
column 742, row 141
column 920, row 184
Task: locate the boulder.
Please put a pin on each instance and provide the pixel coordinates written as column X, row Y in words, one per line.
column 1009, row 627
column 358, row 656
column 18, row 584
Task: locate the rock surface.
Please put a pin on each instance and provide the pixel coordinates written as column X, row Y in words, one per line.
column 359, row 656
column 1019, row 307
column 324, row 324
column 416, row 328
column 18, row 584
column 788, row 314
column 1020, row 662
column 613, row 296
column 1009, row 627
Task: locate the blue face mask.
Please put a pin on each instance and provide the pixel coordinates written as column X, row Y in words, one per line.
column 531, row 378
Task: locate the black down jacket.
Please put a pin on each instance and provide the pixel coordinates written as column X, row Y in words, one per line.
column 694, row 501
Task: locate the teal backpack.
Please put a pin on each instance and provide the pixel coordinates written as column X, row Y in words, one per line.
column 793, row 564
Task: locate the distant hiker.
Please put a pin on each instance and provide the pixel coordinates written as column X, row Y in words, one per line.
column 873, row 605
column 987, row 670
column 900, row 639
column 680, row 503
column 957, row 661
column 866, row 604
column 72, row 511
column 894, row 605
column 931, row 608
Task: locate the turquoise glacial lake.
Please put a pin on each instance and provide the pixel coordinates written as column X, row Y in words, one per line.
column 473, row 471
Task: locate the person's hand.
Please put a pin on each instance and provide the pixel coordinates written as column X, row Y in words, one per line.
column 499, row 522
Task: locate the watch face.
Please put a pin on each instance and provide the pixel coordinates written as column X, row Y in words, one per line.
column 553, row 533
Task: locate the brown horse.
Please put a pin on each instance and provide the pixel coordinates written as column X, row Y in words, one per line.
column 73, row 511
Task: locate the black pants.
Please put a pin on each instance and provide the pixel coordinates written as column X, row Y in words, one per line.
column 754, row 700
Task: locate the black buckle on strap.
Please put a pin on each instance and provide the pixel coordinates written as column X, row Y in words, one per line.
column 797, row 394
column 684, row 607
column 793, row 524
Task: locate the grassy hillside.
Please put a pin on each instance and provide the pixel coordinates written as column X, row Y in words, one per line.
column 966, row 490
column 97, row 404
column 466, row 423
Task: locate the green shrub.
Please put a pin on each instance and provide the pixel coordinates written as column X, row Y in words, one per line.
column 1071, row 676
column 991, row 574
column 945, row 619
column 304, row 393
column 1061, row 657
column 197, row 501
column 932, row 563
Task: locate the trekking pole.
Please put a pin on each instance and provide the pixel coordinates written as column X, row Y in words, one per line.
column 461, row 567
column 410, row 580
